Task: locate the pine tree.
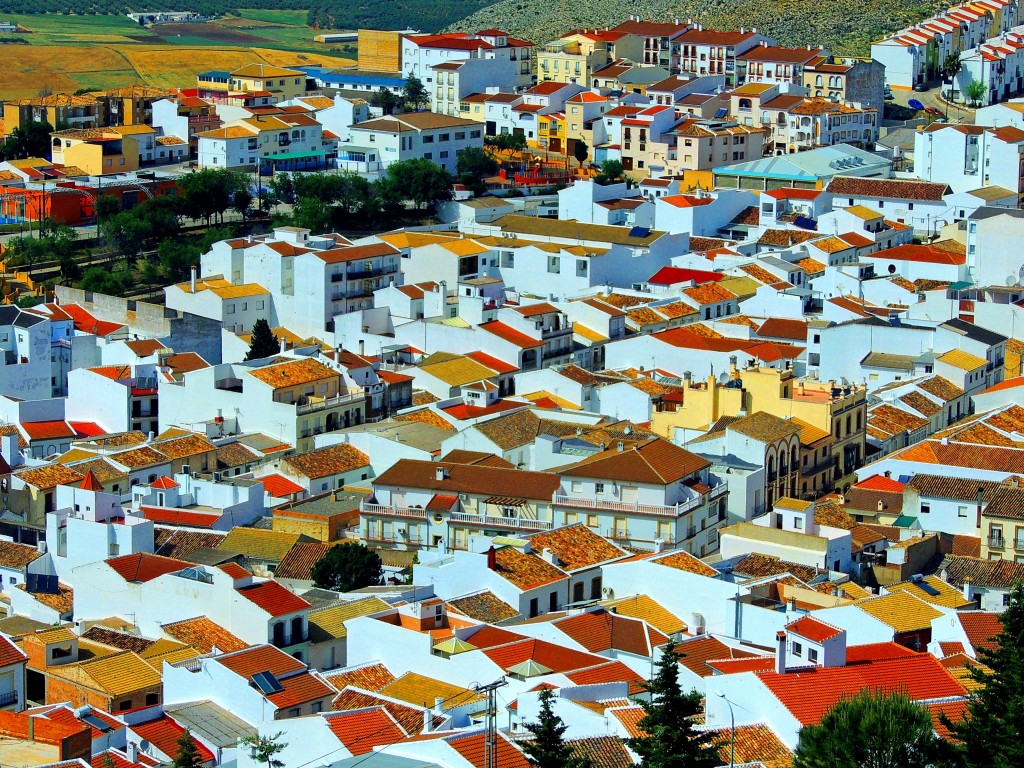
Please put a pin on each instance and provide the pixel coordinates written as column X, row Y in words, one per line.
column 671, row 740
column 188, row 752
column 264, row 748
column 547, row 748
column 264, row 343
column 991, row 733
column 881, row 730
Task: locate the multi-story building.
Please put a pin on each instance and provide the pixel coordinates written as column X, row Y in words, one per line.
column 844, row 78
column 25, row 369
column 256, row 78
column 823, row 122
column 971, row 157
column 513, row 58
column 293, row 401
column 96, row 151
column 131, row 105
column 708, row 52
column 281, row 142
column 377, row 143
column 85, row 111
column 704, row 144
column 574, row 57
column 832, row 410
column 776, row 64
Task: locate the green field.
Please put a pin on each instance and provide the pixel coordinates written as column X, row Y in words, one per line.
column 296, row 18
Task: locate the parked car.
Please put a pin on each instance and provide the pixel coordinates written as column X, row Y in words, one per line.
column 920, row 87
column 932, row 111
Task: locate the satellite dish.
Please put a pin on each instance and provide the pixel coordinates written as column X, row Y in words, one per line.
column 1011, row 280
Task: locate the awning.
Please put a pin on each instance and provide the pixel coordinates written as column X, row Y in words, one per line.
column 505, row 501
column 294, row 155
column 960, row 285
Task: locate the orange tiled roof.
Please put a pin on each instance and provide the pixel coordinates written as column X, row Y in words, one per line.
column 204, row 635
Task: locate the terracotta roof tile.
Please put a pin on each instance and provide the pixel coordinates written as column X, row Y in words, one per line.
column 204, row 635
column 421, row 691
column 899, row 189
column 684, row 561
column 696, row 653
column 259, row 543
column 526, row 571
column 142, row 567
column 293, row 373
column 163, row 733
column 274, row 598
column 330, row 460
column 484, row 606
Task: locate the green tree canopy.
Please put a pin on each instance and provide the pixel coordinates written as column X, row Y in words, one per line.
column 475, row 162
column 31, row 139
column 872, row 730
column 990, row 735
column 263, row 343
column 208, row 193
column 671, row 741
column 975, row 91
column 188, row 752
column 581, row 151
column 265, row 749
column 423, row 181
column 414, row 94
column 345, row 567
column 385, row 99
column 611, row 171
column 548, row 748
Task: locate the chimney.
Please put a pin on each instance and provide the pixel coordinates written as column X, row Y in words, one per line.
column 193, row 279
column 791, row 605
column 428, row 721
column 284, row 344
column 780, row 653
column 841, row 592
column 9, row 450
column 687, row 378
column 492, row 564
column 968, row 590
column 659, row 545
column 439, row 701
column 981, row 503
column 440, row 474
column 549, row 556
column 132, row 752
column 362, row 347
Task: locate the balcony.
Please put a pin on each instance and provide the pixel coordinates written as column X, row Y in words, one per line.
column 996, row 542
column 1018, row 544
column 719, row 490
column 487, row 521
column 557, row 353
column 617, row 534
column 393, row 511
column 364, row 274
column 636, row 508
column 8, row 698
column 313, row 403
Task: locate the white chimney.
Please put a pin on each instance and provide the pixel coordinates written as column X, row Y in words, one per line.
column 968, row 590
column 439, row 704
column 132, row 752
column 659, row 545
column 549, row 556
column 428, row 721
column 780, row 653
column 193, row 279
column 9, row 450
column 440, row 474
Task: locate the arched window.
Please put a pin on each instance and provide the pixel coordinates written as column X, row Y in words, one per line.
column 818, row 80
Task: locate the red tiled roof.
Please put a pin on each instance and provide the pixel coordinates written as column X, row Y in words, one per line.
column 919, row 676
column 920, row 253
column 981, row 628
column 90, row 483
column 601, row 630
column 472, row 748
column 876, row 652
column 552, row 656
column 361, row 730
column 510, row 334
column 66, row 716
column 299, row 689
column 813, row 629
column 175, row 516
column 674, row 275
column 86, row 323
column 880, row 483
column 10, row 653
column 47, row 430
column 87, row 428
column 273, row 598
column 792, row 193
column 609, row 672
column 496, row 365
column 279, row 486
column 142, row 566
column 163, row 733
column 261, row 658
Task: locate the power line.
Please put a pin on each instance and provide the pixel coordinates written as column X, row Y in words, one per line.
column 375, row 733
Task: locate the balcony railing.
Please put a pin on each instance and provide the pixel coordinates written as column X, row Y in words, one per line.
column 637, row 508
column 489, row 521
column 320, row 403
column 617, row 534
column 393, row 511
column 8, row 698
column 363, row 274
column 997, row 542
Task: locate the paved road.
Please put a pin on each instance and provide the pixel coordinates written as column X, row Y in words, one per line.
column 930, row 98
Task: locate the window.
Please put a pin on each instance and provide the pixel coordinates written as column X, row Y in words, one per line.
column 534, row 608
column 592, row 521
column 152, row 699
column 598, row 487
column 294, row 712
column 961, row 511
column 124, row 705
column 798, row 650
column 812, row 655
column 925, row 509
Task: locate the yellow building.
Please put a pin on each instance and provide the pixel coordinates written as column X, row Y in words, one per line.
column 283, row 83
column 132, row 105
column 84, row 111
column 96, row 151
column 379, row 51
column 1002, row 534
column 551, row 132
column 574, row 57
column 840, row 412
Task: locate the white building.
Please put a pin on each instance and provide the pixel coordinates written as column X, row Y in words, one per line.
column 377, row 143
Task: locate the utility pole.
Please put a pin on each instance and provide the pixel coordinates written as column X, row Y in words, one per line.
column 491, row 734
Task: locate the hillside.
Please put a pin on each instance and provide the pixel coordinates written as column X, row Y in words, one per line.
column 425, row 15
column 844, row 26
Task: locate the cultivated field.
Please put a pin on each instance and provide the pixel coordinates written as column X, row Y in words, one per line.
column 68, row 53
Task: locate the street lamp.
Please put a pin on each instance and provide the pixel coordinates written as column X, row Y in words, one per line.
column 732, row 726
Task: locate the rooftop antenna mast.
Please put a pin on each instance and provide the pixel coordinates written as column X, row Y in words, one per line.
column 491, row 734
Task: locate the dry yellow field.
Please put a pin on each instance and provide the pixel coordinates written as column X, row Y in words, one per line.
column 29, row 68
column 66, row 68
